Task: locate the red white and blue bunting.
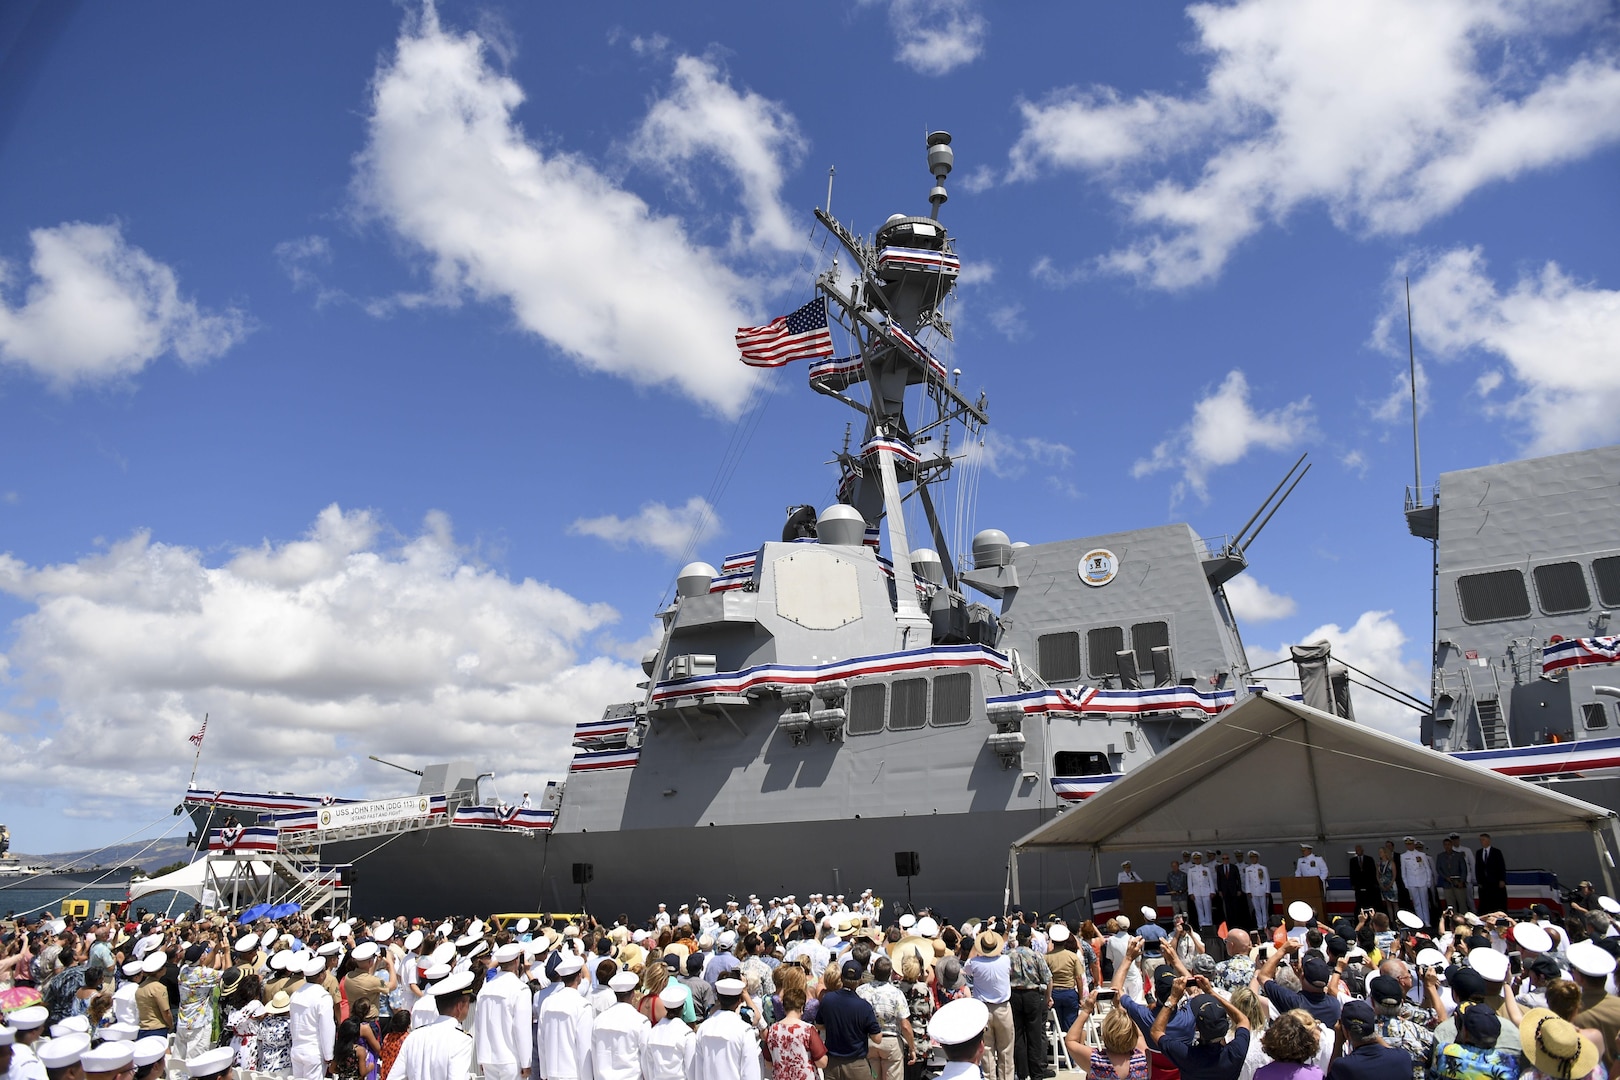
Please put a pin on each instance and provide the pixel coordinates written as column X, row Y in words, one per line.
column 600, row 760
column 600, row 734
column 883, row 444
column 916, row 349
column 491, row 817
column 1580, row 652
column 740, row 682
column 941, row 262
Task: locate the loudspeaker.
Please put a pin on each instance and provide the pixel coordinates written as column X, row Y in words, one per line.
column 346, row 877
column 906, row 864
column 583, row 873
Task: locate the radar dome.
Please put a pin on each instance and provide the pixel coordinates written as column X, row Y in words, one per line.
column 841, row 525
column 649, row 659
column 926, row 564
column 695, row 579
column 991, row 548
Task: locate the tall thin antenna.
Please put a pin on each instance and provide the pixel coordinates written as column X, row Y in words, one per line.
column 831, row 169
column 1411, row 357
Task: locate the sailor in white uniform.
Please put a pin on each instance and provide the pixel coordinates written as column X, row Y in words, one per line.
column 108, row 1060
column 441, row 1050
column 212, row 1064
column 1257, row 887
column 1126, row 874
column 727, row 1048
column 1417, row 873
column 503, row 1023
column 562, row 1037
column 1201, row 886
column 620, row 1033
column 958, row 1027
column 25, row 1026
column 310, row 1023
column 667, row 1053
column 62, row 1052
column 1310, row 864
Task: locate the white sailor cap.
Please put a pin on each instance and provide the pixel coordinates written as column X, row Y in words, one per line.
column 121, row 1031
column 133, row 968
column 729, row 987
column 444, row 928
column 476, row 927
column 344, row 928
column 8, row 1037
column 331, row 921
column 62, row 1051
column 467, row 939
column 907, row 921
column 673, row 996
column 1491, row 965
column 435, row 972
column 1058, row 932
column 1609, row 904
column 534, row 947
column 1253, row 852
column 154, row 962
column 445, row 953
column 383, row 931
column 1409, row 920
column 413, row 941
column 507, row 953
column 927, row 927
column 29, row 1018
column 638, row 936
column 959, row 1021
column 1430, row 957
column 109, row 1057
column 568, row 963
column 478, row 950
column 1531, row 937
column 147, row 944
column 269, row 937
column 210, row 1062
column 1306, row 845
column 331, row 948
column 1584, row 956
column 364, row 951
column 624, row 982
column 315, row 964
column 1300, row 911
column 455, row 983
column 246, row 943
column 728, row 939
column 149, row 1049
column 72, row 1025
column 523, row 925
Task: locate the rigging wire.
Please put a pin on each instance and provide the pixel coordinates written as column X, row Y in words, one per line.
column 92, row 884
column 82, row 858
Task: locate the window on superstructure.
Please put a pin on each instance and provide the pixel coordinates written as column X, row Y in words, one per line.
column 1494, row 595
column 1058, row 656
column 909, row 710
column 1145, row 637
column 1561, row 588
column 1079, row 763
column 1606, row 572
column 953, row 699
column 1594, row 715
column 1103, row 646
column 866, row 702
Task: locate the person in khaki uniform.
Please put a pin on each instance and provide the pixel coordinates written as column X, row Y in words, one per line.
column 152, row 1010
column 1591, row 966
column 362, row 984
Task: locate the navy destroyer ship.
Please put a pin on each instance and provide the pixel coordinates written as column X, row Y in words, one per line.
column 854, row 702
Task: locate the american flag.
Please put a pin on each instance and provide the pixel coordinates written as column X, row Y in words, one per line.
column 802, row 335
column 196, row 740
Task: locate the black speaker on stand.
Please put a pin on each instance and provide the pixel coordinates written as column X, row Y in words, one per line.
column 583, row 873
column 908, row 866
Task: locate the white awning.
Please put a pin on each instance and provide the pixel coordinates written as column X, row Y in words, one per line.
column 189, row 879
column 1272, row 771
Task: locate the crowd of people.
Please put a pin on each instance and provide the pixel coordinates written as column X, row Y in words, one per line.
column 825, row 989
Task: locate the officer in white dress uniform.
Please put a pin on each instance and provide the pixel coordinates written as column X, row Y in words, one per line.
column 1201, row 886
column 667, row 1054
column 1310, row 864
column 503, row 1024
column 727, row 1048
column 25, row 1026
column 310, row 1023
column 441, row 1050
column 1126, row 874
column 958, row 1027
column 563, row 1031
column 620, row 1033
column 1417, row 873
column 1257, row 887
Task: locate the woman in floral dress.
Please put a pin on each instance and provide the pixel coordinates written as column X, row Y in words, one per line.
column 275, row 1036
column 239, row 991
column 796, row 1051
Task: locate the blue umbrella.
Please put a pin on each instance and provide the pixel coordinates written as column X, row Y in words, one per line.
column 281, row 911
column 257, row 911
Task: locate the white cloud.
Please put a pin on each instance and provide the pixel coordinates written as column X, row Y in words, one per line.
column 307, row 655
column 1009, row 321
column 583, row 263
column 99, row 309
column 1010, row 458
column 1559, row 340
column 1384, row 113
column 935, row 37
column 1397, row 407
column 1252, row 602
column 671, row 530
column 752, row 137
column 1373, row 643
column 1355, row 461
column 1223, row 429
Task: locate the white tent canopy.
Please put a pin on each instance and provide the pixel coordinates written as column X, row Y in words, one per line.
column 191, row 879
column 1272, row 771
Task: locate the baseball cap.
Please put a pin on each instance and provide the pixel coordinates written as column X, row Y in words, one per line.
column 1358, row 1019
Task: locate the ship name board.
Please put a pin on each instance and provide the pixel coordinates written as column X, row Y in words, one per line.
column 348, row 815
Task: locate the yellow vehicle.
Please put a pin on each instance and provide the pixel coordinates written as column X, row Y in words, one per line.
column 79, row 909
column 501, row 922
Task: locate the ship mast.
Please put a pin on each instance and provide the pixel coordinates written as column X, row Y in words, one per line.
column 891, row 301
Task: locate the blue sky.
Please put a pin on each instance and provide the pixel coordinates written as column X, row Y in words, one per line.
column 365, row 368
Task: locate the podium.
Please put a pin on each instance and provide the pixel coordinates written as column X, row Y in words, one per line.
column 1308, row 889
column 1136, row 895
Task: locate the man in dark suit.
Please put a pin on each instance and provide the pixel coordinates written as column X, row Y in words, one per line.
column 1490, row 870
column 1364, row 880
column 1229, row 884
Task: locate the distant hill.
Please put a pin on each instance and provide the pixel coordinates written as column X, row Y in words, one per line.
column 159, row 854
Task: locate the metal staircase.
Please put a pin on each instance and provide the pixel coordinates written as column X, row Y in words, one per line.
column 1493, row 728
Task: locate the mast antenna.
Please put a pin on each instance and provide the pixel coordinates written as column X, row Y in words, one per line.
column 831, row 170
column 1411, row 359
